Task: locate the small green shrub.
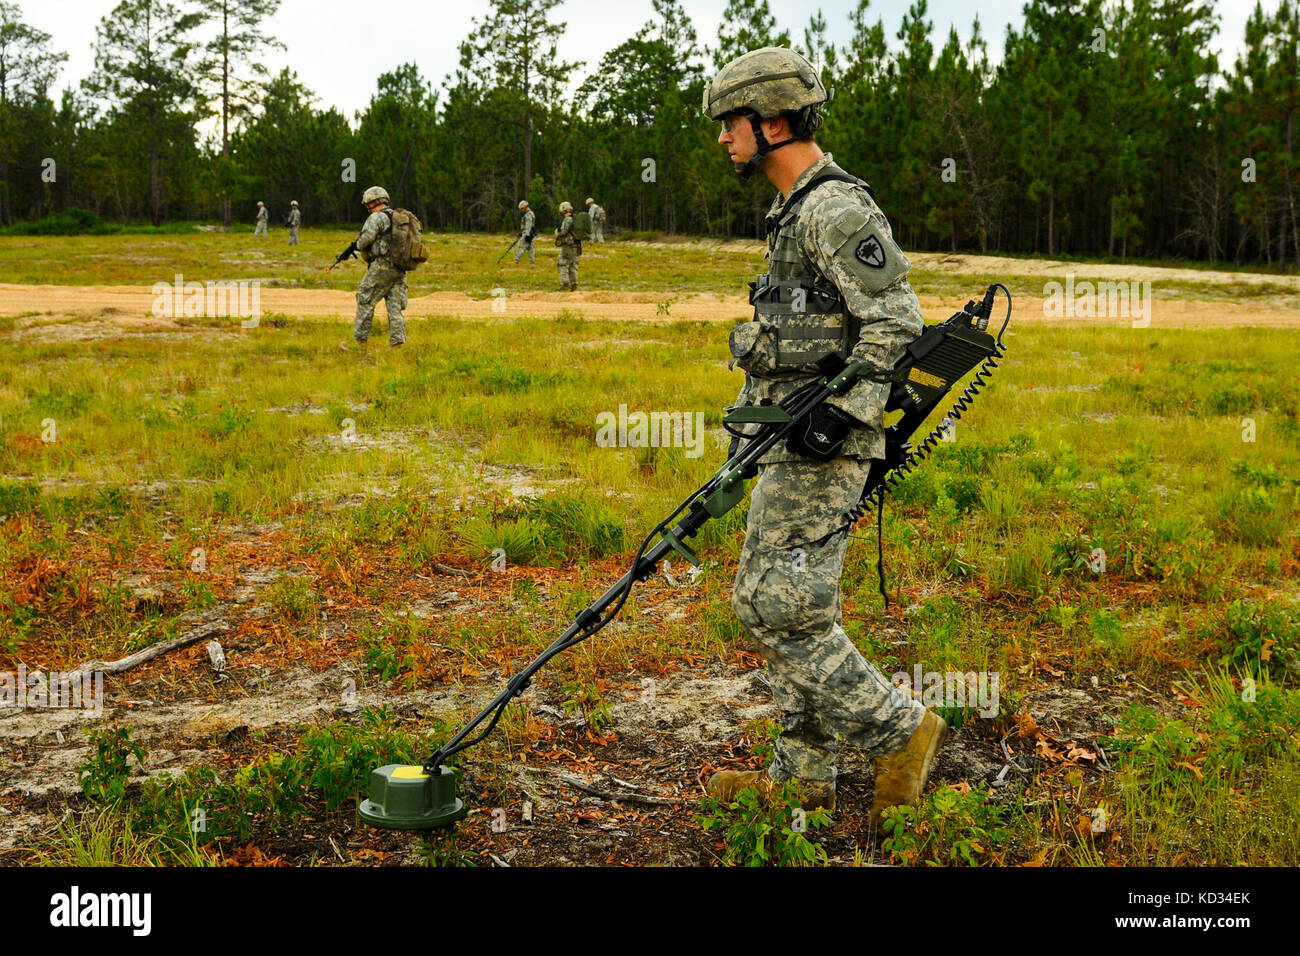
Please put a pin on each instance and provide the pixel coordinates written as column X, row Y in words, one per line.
column 767, row 833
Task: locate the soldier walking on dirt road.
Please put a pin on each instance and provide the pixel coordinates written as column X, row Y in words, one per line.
column 383, row 280
column 570, row 249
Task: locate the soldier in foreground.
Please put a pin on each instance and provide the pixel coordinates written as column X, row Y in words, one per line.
column 262, row 217
column 837, row 284
column 527, row 230
column 293, row 222
column 570, row 249
column 383, row 280
column 597, row 220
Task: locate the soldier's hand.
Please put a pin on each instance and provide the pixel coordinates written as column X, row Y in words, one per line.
column 821, row 434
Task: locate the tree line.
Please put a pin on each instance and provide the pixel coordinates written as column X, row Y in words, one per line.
column 1109, row 128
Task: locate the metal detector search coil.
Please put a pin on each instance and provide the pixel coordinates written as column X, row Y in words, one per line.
column 406, row 797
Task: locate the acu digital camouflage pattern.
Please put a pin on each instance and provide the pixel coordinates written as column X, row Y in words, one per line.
column 787, row 594
column 838, row 240
column 787, row 588
column 567, row 260
column 598, row 218
column 768, row 81
column 295, row 220
column 382, row 280
column 527, row 222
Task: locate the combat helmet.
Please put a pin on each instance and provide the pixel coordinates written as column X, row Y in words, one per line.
column 374, row 194
column 762, row 84
column 566, row 206
column 523, row 204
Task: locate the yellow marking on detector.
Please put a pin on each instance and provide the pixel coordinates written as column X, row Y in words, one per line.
column 925, row 378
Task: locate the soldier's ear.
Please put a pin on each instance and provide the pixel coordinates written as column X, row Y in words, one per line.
column 776, row 129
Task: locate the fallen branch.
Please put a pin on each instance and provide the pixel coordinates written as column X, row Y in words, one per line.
column 614, row 796
column 618, row 796
column 1006, row 753
column 459, row 572
column 154, row 650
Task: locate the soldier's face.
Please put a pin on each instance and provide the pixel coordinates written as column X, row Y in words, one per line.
column 738, row 136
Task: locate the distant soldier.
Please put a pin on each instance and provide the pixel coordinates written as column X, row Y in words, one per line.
column 597, row 220
column 527, row 230
column 293, row 222
column 382, row 280
column 262, row 217
column 570, row 249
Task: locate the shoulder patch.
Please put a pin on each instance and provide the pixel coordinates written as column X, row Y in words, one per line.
column 872, row 257
column 870, row 253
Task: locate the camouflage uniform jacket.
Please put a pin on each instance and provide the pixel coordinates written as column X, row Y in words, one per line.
column 527, row 222
column 837, row 245
column 375, row 235
column 564, row 231
column 295, row 218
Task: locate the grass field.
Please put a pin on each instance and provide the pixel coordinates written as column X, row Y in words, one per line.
column 340, row 519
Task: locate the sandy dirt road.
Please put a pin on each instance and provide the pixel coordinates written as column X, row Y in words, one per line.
column 133, row 306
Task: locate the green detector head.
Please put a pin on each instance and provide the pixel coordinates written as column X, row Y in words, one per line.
column 405, row 797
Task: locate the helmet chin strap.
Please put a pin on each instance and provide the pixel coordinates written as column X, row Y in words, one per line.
column 746, row 169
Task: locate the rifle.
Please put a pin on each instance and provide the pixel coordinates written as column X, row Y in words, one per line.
column 349, row 253
column 508, row 248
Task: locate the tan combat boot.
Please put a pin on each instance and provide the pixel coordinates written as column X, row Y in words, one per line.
column 725, row 786
column 901, row 776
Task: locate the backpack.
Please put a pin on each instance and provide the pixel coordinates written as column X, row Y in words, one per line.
column 581, row 226
column 405, row 247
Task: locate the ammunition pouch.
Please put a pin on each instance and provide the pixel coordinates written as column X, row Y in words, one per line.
column 796, row 325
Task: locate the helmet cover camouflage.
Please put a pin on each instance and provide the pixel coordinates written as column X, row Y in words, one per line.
column 374, row 194
column 768, row 81
column 566, row 206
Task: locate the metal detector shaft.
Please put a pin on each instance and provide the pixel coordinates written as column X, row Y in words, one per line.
column 711, row 500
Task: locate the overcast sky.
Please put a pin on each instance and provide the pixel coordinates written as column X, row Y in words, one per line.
column 339, row 49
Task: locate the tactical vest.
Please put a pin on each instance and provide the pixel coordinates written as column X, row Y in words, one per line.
column 799, row 317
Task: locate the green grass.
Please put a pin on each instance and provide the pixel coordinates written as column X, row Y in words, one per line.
column 1220, row 785
column 481, row 435
column 467, row 263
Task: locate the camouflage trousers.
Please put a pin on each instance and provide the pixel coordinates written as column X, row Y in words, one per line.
column 525, row 244
column 261, row 228
column 597, row 231
column 381, row 281
column 787, row 595
column 567, row 263
column 293, row 235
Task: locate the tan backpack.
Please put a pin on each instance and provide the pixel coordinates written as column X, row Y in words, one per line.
column 405, row 248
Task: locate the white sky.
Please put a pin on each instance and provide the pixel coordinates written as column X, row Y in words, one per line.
column 339, row 49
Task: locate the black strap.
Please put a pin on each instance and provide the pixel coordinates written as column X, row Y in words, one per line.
column 831, row 174
column 880, row 546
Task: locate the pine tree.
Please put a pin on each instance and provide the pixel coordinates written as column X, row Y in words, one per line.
column 515, row 47
column 238, row 42
column 27, row 67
